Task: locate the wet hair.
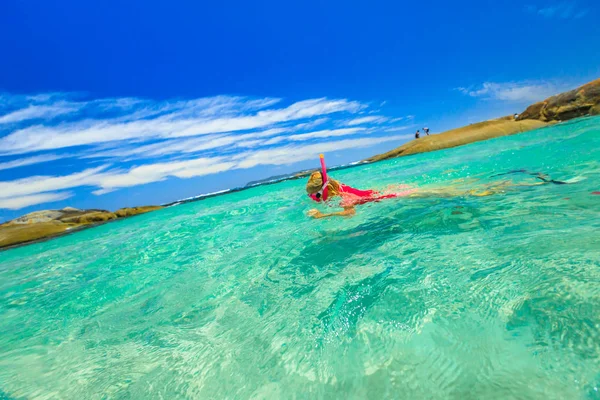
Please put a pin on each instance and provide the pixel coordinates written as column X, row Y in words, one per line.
column 315, row 183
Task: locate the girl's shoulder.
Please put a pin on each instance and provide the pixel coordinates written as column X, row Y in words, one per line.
column 345, row 189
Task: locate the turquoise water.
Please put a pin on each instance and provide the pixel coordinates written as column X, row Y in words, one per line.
column 243, row 296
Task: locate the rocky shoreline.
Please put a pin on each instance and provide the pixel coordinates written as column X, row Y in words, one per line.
column 461, row 136
column 585, row 100
column 47, row 224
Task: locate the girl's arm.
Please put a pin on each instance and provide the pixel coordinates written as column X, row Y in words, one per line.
column 348, row 212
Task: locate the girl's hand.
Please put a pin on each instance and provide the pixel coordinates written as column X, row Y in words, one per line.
column 315, row 213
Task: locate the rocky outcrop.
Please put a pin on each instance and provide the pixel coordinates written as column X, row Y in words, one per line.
column 460, row 136
column 579, row 102
column 13, row 234
column 67, row 215
column 49, row 223
column 131, row 211
column 584, row 100
column 89, row 217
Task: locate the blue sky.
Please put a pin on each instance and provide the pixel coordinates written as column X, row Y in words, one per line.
column 116, row 104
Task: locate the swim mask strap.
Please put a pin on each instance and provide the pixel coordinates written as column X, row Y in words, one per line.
column 324, row 177
column 320, row 194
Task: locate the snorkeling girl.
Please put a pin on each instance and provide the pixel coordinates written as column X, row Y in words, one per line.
column 350, row 197
column 321, row 188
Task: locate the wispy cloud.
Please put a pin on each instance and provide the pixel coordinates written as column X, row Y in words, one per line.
column 167, row 139
column 400, row 128
column 563, row 10
column 16, row 203
column 42, row 184
column 22, row 162
column 525, row 91
column 217, row 115
column 160, row 171
column 185, row 145
column 318, row 134
column 34, row 112
column 366, row 120
column 285, row 155
column 312, row 124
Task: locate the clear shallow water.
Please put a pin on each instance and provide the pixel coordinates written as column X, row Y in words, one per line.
column 243, row 296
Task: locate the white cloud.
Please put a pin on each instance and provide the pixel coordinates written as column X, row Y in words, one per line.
column 250, row 143
column 318, row 134
column 292, row 154
column 208, row 142
column 206, row 116
column 194, row 145
column 160, row 171
column 400, row 119
column 311, row 124
column 107, row 180
column 366, row 120
column 40, row 184
column 527, row 91
column 22, row 162
column 399, row 128
column 563, row 10
column 33, row 112
column 16, row 203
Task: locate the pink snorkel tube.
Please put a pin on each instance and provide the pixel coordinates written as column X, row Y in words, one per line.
column 324, row 176
column 322, row 194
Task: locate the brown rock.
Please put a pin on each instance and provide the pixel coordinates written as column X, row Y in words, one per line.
column 12, row 234
column 49, row 223
column 130, row 211
column 579, row 102
column 534, row 111
column 89, row 218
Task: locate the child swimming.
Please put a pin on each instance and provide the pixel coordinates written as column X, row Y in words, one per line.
column 350, row 197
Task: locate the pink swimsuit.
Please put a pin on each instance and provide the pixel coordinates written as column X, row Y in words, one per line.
column 351, row 196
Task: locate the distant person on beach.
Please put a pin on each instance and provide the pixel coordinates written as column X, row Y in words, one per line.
column 516, row 116
column 417, row 134
column 426, row 130
column 351, row 197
